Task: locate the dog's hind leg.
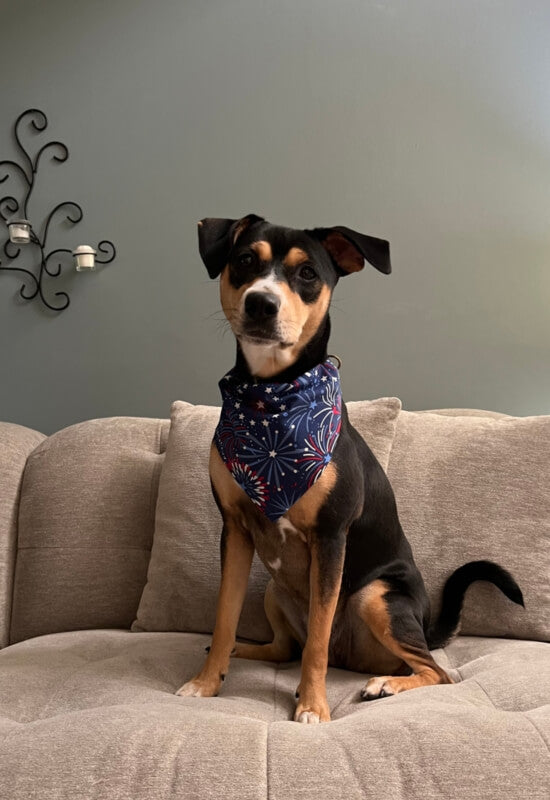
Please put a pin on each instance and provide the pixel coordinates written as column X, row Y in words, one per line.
column 284, row 646
column 391, row 618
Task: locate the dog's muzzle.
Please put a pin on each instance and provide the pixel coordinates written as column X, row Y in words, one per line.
column 260, row 317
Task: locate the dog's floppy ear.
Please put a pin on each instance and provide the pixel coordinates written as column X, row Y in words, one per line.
column 217, row 237
column 349, row 250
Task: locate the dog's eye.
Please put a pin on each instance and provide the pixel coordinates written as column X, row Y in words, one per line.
column 307, row 273
column 245, row 259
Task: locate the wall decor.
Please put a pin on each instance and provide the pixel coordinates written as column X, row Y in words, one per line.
column 21, row 232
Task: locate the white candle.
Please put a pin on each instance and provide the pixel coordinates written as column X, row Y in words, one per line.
column 84, row 257
column 20, row 231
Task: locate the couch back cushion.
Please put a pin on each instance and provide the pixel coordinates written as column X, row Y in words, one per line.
column 86, row 522
column 184, row 572
column 16, row 443
column 476, row 485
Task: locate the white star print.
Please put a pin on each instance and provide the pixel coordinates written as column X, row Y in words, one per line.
column 272, row 453
column 260, row 404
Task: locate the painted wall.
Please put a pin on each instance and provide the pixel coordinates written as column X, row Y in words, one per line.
column 423, row 122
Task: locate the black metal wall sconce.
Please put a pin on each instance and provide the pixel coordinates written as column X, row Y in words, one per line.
column 14, row 213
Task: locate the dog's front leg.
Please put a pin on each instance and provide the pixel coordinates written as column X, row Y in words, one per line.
column 325, row 579
column 237, row 550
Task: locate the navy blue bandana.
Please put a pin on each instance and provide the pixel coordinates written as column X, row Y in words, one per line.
column 276, row 439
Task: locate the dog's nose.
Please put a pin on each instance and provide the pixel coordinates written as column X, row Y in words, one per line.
column 261, row 305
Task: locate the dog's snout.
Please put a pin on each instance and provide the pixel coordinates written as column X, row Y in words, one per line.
column 261, row 305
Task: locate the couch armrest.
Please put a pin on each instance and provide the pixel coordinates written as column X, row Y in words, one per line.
column 16, row 443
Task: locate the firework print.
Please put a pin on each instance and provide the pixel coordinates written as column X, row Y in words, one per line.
column 277, row 439
column 252, row 483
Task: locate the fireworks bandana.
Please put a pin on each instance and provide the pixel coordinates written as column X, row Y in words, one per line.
column 276, row 439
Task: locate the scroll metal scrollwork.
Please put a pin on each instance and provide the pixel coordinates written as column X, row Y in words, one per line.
column 34, row 285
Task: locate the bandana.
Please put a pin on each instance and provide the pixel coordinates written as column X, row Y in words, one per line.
column 277, row 439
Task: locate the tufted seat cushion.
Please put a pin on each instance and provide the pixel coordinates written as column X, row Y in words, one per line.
column 93, row 714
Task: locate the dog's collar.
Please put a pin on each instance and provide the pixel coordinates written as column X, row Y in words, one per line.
column 277, row 439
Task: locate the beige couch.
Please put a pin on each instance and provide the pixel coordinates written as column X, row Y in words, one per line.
column 87, row 707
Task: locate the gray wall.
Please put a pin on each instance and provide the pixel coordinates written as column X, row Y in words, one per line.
column 423, row 121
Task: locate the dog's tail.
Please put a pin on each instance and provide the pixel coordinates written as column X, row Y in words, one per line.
column 445, row 626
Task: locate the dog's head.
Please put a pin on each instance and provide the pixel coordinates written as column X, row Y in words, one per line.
column 276, row 283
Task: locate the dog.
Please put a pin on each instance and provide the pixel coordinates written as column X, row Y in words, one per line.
column 344, row 590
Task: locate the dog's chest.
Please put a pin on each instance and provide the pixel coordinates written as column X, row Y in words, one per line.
column 284, row 551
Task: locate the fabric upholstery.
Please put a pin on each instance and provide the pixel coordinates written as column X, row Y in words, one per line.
column 183, row 576
column 464, row 412
column 93, row 714
column 86, row 523
column 476, row 487
column 16, row 443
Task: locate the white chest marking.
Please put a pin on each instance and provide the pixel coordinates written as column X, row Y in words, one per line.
column 286, row 527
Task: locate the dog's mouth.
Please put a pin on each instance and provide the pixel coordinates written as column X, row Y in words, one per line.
column 262, row 338
column 266, row 333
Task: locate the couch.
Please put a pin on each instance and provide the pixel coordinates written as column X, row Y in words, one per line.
column 87, row 703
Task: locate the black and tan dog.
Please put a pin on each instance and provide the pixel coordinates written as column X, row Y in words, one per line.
column 345, row 589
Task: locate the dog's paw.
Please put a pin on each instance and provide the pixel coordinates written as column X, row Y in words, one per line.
column 378, row 687
column 309, row 717
column 312, row 710
column 199, row 687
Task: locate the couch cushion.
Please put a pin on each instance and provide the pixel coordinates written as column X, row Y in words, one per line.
column 476, row 487
column 16, row 443
column 472, row 740
column 85, row 526
column 93, row 713
column 183, row 577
